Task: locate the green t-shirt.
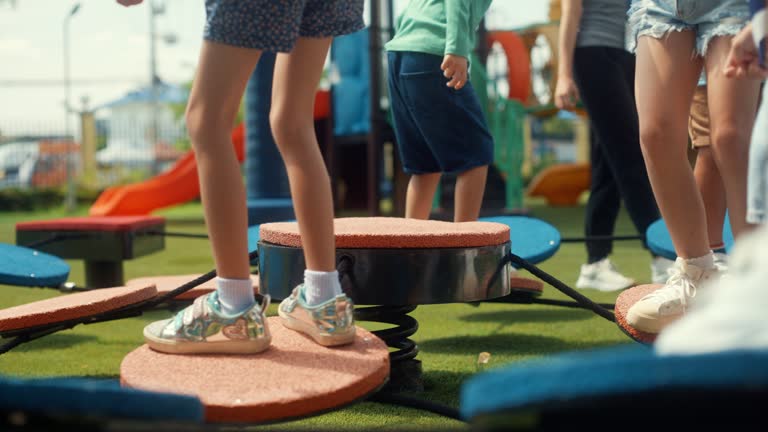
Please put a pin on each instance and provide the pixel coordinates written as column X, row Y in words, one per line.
column 439, row 26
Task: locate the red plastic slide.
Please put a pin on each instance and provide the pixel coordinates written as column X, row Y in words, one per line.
column 177, row 185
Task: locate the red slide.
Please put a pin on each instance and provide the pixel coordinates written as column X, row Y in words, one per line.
column 177, row 185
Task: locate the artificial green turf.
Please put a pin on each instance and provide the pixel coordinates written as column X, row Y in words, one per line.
column 450, row 337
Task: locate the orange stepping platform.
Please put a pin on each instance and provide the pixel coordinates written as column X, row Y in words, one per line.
column 624, row 301
column 72, row 307
column 166, row 284
column 395, row 233
column 295, row 377
column 528, row 285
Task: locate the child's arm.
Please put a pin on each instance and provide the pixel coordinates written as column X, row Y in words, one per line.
column 566, row 92
column 456, row 43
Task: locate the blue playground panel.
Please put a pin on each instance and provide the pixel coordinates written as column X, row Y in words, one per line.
column 660, row 243
column 28, row 267
column 532, row 239
column 77, row 397
column 607, row 373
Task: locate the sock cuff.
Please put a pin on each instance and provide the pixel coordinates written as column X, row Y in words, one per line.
column 233, row 284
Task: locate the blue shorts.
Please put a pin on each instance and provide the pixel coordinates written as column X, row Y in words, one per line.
column 708, row 18
column 438, row 129
column 275, row 25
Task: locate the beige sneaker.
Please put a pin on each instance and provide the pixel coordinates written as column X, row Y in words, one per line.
column 330, row 323
column 663, row 306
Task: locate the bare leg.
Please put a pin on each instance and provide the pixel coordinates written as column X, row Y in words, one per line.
column 732, row 115
column 665, row 81
column 213, row 103
column 293, row 96
column 710, row 184
column 418, row 199
column 468, row 198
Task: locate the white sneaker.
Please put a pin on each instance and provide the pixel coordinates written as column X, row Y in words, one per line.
column 731, row 315
column 668, row 303
column 602, row 276
column 660, row 269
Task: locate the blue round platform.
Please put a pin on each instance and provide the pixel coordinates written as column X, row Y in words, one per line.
column 660, row 243
column 28, row 267
column 91, row 398
column 532, row 239
column 602, row 375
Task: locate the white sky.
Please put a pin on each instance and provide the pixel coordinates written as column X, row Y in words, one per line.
column 111, row 43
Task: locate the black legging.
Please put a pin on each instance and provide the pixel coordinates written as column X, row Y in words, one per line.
column 606, row 79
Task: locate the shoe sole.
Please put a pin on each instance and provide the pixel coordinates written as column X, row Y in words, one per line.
column 215, row 347
column 324, row 339
column 649, row 324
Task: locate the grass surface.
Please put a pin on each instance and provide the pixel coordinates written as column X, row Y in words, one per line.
column 450, row 337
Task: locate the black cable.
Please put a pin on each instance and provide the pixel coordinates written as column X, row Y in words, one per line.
column 565, row 289
column 174, row 234
column 601, row 238
column 566, row 303
column 420, row 404
column 55, row 238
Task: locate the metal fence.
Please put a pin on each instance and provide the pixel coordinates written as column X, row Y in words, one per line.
column 102, row 151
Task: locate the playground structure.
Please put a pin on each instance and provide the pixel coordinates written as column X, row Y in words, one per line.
column 350, row 115
column 435, row 262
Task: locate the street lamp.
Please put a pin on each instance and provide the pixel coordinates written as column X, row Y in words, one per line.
column 69, row 202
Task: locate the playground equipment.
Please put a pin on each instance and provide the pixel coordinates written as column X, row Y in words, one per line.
column 103, row 243
column 177, row 185
column 586, row 389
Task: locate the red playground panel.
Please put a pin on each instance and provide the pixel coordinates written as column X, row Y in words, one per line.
column 102, row 242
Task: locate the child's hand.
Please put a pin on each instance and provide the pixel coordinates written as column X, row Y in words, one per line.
column 566, row 93
column 455, row 68
column 129, row 2
column 743, row 59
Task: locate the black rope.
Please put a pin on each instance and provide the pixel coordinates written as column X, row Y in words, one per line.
column 174, row 234
column 420, row 404
column 56, row 238
column 566, row 303
column 601, row 238
column 565, row 289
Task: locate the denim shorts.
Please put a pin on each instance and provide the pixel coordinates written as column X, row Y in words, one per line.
column 275, row 25
column 438, row 129
column 757, row 178
column 707, row 18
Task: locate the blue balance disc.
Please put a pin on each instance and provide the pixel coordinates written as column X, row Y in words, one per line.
column 604, row 375
column 532, row 239
column 28, row 267
column 103, row 399
column 660, row 243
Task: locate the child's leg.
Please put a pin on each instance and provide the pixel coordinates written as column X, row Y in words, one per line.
column 218, row 86
column 217, row 89
column 468, row 196
column 293, row 96
column 732, row 114
column 706, row 172
column 665, row 81
column 418, row 197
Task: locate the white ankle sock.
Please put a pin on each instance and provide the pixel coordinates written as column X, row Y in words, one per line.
column 235, row 295
column 703, row 262
column 320, row 286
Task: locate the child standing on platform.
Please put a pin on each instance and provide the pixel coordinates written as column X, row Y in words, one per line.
column 236, row 32
column 674, row 39
column 439, row 123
